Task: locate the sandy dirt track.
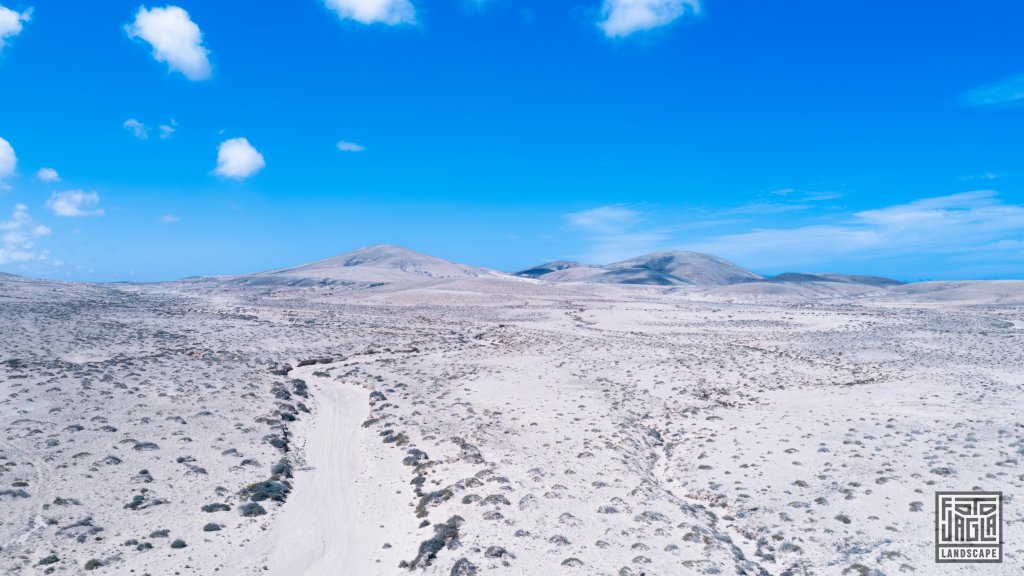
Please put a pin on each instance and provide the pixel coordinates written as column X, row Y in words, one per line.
column 315, row 534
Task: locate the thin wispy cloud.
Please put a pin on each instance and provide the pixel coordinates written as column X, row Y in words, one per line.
column 956, row 224
column 175, row 38
column 390, row 12
column 169, row 219
column 11, row 24
column 1006, row 92
column 608, row 248
column 783, row 200
column 605, row 219
column 168, row 130
column 136, row 128
column 238, row 159
column 8, row 160
column 18, row 236
column 975, row 227
column 345, row 146
column 620, row 18
column 612, row 233
column 74, row 203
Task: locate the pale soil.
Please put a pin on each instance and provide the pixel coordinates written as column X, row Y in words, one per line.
column 573, row 430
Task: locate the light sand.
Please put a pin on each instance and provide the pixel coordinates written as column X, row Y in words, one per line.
column 574, row 429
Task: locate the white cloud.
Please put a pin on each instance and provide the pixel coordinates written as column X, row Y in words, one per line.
column 604, row 219
column 624, row 17
column 138, row 129
column 958, row 224
column 391, row 12
column 1007, row 91
column 607, row 248
column 74, row 203
column 168, row 130
column 350, row 147
column 8, row 161
column 612, row 233
column 236, row 158
column 47, row 175
column 169, row 219
column 175, row 38
column 18, row 236
column 11, row 24
column 966, row 235
column 783, row 200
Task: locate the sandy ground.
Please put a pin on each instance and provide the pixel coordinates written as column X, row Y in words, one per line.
column 483, row 426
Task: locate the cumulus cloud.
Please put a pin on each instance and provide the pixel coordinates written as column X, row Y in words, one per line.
column 350, row 147
column 391, row 12
column 8, row 161
column 621, row 18
column 18, row 236
column 74, row 203
column 175, row 39
column 47, row 175
column 11, row 24
column 237, row 159
column 138, row 129
column 169, row 219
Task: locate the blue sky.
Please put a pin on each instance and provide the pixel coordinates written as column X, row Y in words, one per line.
column 229, row 137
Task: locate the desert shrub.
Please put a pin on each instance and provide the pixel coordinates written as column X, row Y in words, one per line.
column 268, row 490
column 282, row 468
column 19, row 493
column 495, row 552
column 445, row 534
column 251, row 509
column 432, row 499
column 464, row 567
column 399, row 439
column 497, row 499
column 277, row 442
column 415, row 457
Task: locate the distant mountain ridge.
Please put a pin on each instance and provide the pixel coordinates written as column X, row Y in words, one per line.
column 682, row 268
column 388, row 264
column 376, row 264
column 676, row 268
column 391, row 258
column 802, row 278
